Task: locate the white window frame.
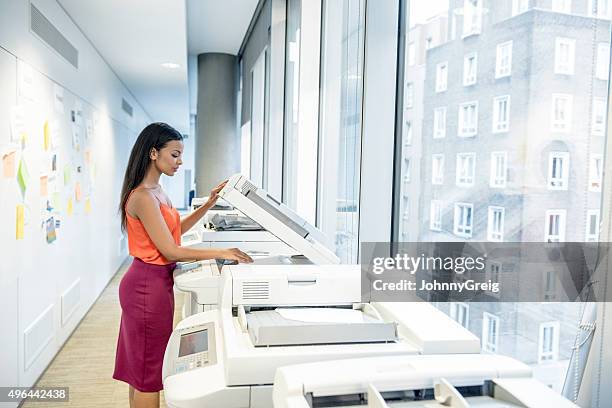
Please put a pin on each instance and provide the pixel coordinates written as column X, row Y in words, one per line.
column 603, row 14
column 560, row 236
column 409, row 100
column 562, row 6
column 598, row 128
column 545, row 355
column 550, row 285
column 493, row 235
column 565, row 67
column 558, row 181
column 494, row 276
column 488, row 344
column 408, row 133
column 562, row 124
column 502, row 71
column 519, row 7
column 470, row 78
column 439, row 128
column 435, row 215
column 465, row 178
column 437, row 172
column 590, row 235
column 463, row 129
column 460, row 228
column 460, row 312
column 499, row 125
column 472, row 17
column 495, row 180
column 441, row 76
column 602, row 70
column 411, row 54
column 407, row 170
column 595, row 172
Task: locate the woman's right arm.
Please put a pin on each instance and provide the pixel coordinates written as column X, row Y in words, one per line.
column 146, row 208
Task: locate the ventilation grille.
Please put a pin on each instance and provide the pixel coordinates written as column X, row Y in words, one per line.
column 255, row 290
column 247, row 187
column 70, row 301
column 127, row 108
column 37, row 336
column 51, row 35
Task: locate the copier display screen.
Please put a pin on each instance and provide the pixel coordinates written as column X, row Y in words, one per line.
column 193, row 343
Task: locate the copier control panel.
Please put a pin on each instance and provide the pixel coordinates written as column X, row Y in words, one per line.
column 193, row 347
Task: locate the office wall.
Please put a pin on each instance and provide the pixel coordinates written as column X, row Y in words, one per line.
column 74, row 169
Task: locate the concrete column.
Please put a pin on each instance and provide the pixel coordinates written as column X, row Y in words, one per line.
column 217, row 144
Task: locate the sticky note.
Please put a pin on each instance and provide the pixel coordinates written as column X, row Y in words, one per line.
column 20, row 222
column 87, row 157
column 8, row 165
column 46, row 136
column 87, row 206
column 69, row 208
column 22, row 176
column 55, row 201
column 78, row 194
column 51, row 236
column 66, row 175
column 44, row 186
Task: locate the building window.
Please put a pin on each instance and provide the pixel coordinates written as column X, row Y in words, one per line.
column 555, row 226
column 602, row 70
column 592, row 226
column 565, row 51
column 598, row 126
column 470, row 69
column 561, row 112
column 503, row 60
column 460, row 312
column 501, row 114
column 411, row 54
column 595, row 172
column 428, row 43
column 495, row 229
column 550, row 285
column 490, row 332
column 409, row 95
column 562, row 6
column 464, row 220
column 558, row 170
column 408, row 133
column 439, row 123
column 441, row 76
column 435, row 215
column 407, row 171
column 472, row 17
column 599, row 8
column 519, row 6
column 437, row 169
column 468, row 119
column 499, row 169
column 466, row 163
column 495, row 269
column 548, row 349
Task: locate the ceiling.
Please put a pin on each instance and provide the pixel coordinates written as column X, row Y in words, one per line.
column 136, row 36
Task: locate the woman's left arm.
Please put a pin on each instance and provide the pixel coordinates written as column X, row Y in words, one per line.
column 190, row 220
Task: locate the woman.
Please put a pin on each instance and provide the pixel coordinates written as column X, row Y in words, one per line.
column 154, row 230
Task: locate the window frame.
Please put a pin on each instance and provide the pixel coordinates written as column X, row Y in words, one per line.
column 460, row 180
column 599, row 107
column 468, row 230
column 437, row 118
column 488, row 345
column 437, row 179
column 519, row 7
column 493, row 169
column 559, row 68
column 562, row 126
column 495, row 236
column 554, row 353
column 477, row 10
column 602, row 68
column 467, row 80
column 455, row 307
column 497, row 125
column 560, row 237
column 595, row 177
column 435, row 208
column 502, row 71
column 566, row 6
column 588, row 235
column 441, row 81
column 558, row 183
column 460, row 129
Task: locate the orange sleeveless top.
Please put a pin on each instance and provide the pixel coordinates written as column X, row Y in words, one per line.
column 139, row 243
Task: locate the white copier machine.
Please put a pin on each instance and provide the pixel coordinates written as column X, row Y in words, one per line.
column 294, row 241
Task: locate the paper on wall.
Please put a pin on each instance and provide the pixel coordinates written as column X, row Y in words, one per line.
column 20, row 222
column 87, row 206
column 23, row 176
column 78, row 194
column 18, row 123
column 8, row 164
column 44, row 186
column 46, row 136
column 69, row 207
column 50, row 226
column 67, row 172
column 25, row 81
column 58, row 98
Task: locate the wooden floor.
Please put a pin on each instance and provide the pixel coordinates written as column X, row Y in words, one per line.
column 85, row 364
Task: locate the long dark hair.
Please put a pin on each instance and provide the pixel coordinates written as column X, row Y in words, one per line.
column 154, row 136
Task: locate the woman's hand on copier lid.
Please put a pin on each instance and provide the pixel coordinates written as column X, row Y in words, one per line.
column 237, row 255
column 214, row 193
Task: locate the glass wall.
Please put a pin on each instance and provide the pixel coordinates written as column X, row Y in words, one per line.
column 342, row 54
column 502, row 140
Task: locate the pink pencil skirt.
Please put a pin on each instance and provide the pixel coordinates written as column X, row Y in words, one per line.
column 147, row 311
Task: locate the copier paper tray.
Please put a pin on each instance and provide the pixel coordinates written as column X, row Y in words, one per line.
column 306, row 326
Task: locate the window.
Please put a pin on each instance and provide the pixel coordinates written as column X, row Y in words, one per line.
column 490, row 332
column 468, row 119
column 519, row 6
column 592, row 226
column 470, row 69
column 495, row 229
column 495, row 269
column 501, row 114
column 464, row 219
column 548, row 348
column 472, row 17
column 437, row 169
column 499, row 169
column 550, row 285
column 435, row 215
column 565, row 50
column 411, row 54
column 439, row 123
column 441, row 76
column 460, row 312
column 409, row 95
column 561, row 112
column 466, row 163
column 558, row 170
column 602, row 70
column 555, row 226
column 595, row 172
column 562, row 6
column 407, row 171
column 599, row 8
column 428, row 43
column 598, row 126
column 503, row 60
column 408, row 133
